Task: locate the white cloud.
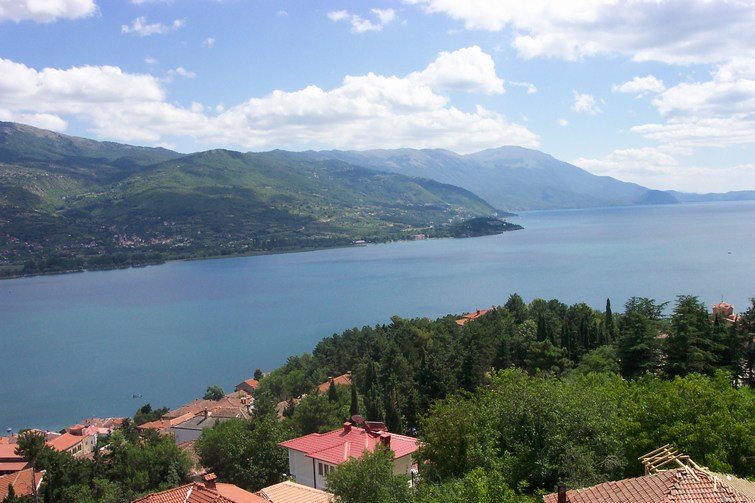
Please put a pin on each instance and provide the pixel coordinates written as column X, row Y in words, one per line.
column 531, row 89
column 208, row 42
column 640, row 86
column 45, row 11
column 656, row 168
column 385, row 16
column 150, row 60
column 179, row 72
column 283, row 13
column 562, row 122
column 671, row 31
column 141, row 27
column 585, row 104
column 713, row 113
column 44, row 121
column 143, row 2
column 468, row 69
column 364, row 111
column 362, row 25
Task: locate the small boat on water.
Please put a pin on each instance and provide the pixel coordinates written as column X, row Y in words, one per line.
column 136, row 395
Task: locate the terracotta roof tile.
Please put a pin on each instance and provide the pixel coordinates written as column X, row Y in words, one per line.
column 65, row 441
column 342, row 380
column 672, row 486
column 189, row 493
column 338, row 446
column 21, row 482
column 291, row 492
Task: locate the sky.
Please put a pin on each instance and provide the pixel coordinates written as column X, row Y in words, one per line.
column 657, row 92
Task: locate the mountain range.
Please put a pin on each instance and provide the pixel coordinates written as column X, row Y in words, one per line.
column 69, row 203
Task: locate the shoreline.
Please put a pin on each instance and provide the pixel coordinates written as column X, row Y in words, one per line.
column 240, row 255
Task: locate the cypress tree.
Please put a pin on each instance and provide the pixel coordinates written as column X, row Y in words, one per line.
column 354, row 408
column 610, row 329
column 332, row 392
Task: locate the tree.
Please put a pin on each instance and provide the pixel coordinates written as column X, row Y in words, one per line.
column 608, row 323
column 354, row 406
column 245, row 452
column 214, row 392
column 316, row 414
column 690, row 345
column 31, row 445
column 332, row 392
column 637, row 347
column 480, row 486
column 258, row 374
column 368, row 479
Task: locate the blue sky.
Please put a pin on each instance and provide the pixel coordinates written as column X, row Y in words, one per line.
column 658, row 92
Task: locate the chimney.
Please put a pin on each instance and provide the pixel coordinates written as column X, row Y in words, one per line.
column 385, row 439
column 209, row 481
column 561, row 493
column 206, row 413
column 346, row 427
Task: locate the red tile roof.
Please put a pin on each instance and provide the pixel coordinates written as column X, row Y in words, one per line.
column 471, row 316
column 291, row 492
column 65, row 442
column 672, row 486
column 198, row 493
column 21, row 482
column 339, row 445
column 12, row 466
column 342, row 380
column 247, row 384
column 8, row 452
column 237, row 494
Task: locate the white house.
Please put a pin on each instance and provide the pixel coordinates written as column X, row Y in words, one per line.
column 313, row 456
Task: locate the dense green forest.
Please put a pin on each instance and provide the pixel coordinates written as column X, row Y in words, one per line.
column 506, row 406
column 69, row 204
column 542, row 392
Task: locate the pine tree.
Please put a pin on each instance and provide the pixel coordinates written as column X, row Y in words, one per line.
column 690, row 346
column 637, row 345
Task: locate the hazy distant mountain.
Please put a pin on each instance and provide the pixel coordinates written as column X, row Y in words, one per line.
column 69, row 203
column 737, row 195
column 512, row 178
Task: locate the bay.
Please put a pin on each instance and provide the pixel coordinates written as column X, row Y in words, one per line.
column 81, row 345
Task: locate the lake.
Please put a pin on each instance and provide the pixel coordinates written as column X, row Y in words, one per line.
column 80, row 345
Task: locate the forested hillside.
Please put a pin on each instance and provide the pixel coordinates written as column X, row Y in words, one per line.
column 542, row 392
column 70, row 203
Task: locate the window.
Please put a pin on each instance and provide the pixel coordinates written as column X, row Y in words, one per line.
column 319, row 469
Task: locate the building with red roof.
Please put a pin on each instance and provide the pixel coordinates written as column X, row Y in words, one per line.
column 291, row 492
column 79, row 446
column 10, row 462
column 683, row 485
column 208, row 492
column 342, row 380
column 313, row 456
column 247, row 386
column 472, row 316
column 23, row 483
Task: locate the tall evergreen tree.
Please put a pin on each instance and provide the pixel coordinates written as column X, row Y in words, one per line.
column 637, row 345
column 332, row 392
column 609, row 323
column 392, row 415
column 690, row 345
column 354, row 407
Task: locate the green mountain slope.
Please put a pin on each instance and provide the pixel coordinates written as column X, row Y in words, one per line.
column 69, row 203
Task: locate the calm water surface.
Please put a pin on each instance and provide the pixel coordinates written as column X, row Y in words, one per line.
column 79, row 345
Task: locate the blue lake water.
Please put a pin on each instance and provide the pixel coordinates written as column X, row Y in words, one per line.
column 80, row 345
